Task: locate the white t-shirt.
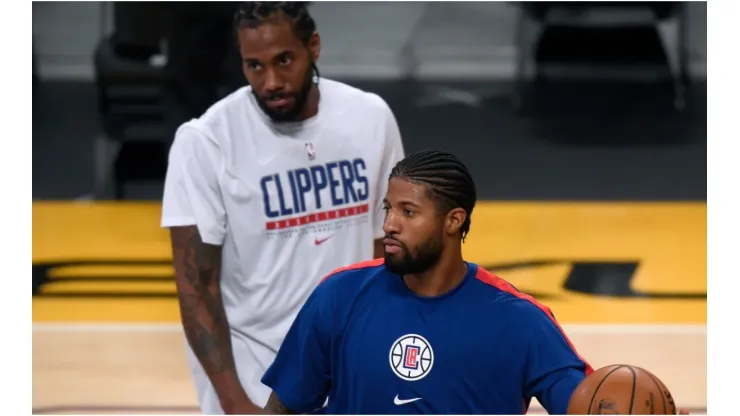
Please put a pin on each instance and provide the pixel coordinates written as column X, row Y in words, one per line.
column 288, row 203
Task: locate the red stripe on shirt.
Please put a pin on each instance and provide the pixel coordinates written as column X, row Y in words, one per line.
column 489, row 278
column 355, row 266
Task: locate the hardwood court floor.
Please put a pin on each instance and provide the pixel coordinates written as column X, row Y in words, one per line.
column 141, row 369
column 627, row 280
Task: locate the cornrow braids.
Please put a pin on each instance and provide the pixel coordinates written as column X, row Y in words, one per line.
column 447, row 179
column 253, row 13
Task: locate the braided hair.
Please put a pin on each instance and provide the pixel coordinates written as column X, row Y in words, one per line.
column 447, row 179
column 253, row 13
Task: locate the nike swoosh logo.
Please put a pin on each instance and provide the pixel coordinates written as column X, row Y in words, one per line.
column 320, row 241
column 399, row 402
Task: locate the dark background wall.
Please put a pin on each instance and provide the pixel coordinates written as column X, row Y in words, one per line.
column 598, row 122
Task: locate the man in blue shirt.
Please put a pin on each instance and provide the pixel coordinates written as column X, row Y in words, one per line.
column 421, row 330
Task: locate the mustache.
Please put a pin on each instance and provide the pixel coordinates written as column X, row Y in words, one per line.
column 277, row 96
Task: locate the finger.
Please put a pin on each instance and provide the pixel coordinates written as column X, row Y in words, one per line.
column 683, row 412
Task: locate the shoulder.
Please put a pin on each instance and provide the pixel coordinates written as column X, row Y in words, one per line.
column 523, row 311
column 220, row 118
column 191, row 142
column 525, row 308
column 370, row 103
column 335, row 294
column 233, row 104
column 359, row 271
column 348, row 280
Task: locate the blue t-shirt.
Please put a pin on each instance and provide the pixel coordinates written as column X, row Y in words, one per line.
column 368, row 343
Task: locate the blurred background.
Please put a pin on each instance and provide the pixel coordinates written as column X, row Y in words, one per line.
column 584, row 125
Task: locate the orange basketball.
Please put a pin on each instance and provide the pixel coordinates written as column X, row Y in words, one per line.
column 621, row 390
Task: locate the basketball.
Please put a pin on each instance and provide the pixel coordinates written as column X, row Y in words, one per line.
column 622, row 390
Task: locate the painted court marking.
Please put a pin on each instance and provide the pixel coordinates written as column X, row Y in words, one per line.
column 95, row 352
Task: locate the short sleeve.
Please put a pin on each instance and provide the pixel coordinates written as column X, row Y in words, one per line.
column 300, row 374
column 554, row 368
column 192, row 194
column 392, row 153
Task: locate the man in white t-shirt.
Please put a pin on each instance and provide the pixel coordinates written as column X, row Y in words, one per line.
column 272, row 188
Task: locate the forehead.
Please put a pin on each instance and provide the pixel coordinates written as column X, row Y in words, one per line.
column 401, row 190
column 271, row 37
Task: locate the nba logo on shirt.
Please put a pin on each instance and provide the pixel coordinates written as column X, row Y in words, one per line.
column 311, row 152
column 411, row 357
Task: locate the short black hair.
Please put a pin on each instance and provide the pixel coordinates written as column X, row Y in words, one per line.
column 447, row 179
column 253, row 13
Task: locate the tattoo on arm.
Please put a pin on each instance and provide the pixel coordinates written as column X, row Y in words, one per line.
column 275, row 407
column 197, row 268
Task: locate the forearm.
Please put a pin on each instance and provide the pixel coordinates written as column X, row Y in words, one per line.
column 275, row 407
column 197, row 267
column 207, row 331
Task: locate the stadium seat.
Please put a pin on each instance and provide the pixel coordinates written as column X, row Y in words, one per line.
column 130, row 85
column 131, row 104
column 535, row 18
column 139, row 113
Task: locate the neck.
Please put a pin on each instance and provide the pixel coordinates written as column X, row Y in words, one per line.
column 441, row 278
column 311, row 108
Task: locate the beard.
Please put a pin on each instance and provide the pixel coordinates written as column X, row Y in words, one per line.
column 300, row 100
column 404, row 262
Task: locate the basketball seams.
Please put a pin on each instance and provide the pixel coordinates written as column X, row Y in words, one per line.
column 660, row 390
column 598, row 386
column 607, row 389
column 634, row 387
